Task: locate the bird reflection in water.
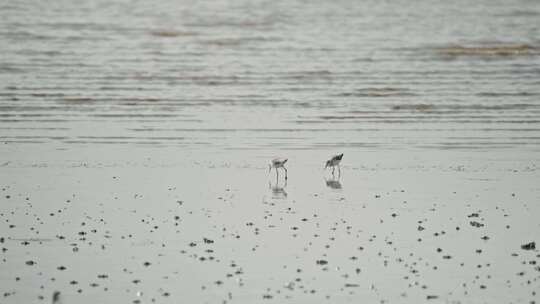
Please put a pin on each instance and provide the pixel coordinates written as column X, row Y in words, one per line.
column 333, row 183
column 278, row 189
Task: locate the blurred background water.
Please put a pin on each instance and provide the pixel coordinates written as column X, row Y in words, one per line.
column 262, row 74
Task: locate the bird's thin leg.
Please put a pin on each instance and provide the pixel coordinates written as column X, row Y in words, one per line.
column 339, row 170
column 285, row 172
column 333, row 170
column 269, row 168
column 277, row 173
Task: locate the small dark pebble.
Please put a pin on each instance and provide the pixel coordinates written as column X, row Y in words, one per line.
column 529, row 246
column 30, row 263
column 56, row 297
column 322, row 262
column 476, row 224
column 432, row 297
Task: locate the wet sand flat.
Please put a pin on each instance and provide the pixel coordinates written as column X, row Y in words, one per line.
column 135, row 140
column 180, row 227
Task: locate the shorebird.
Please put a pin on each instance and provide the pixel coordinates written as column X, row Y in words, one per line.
column 334, row 162
column 276, row 164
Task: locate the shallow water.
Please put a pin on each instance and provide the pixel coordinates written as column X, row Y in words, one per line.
column 111, row 112
column 262, row 75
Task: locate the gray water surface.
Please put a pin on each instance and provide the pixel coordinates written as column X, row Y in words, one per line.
column 255, row 75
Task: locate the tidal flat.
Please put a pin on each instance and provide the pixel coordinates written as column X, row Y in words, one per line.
column 139, row 226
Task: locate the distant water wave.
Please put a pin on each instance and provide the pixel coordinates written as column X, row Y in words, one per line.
column 172, row 33
column 378, row 92
column 490, row 50
column 466, row 107
column 217, row 75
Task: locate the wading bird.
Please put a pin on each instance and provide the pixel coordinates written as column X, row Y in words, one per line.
column 334, row 162
column 276, row 164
